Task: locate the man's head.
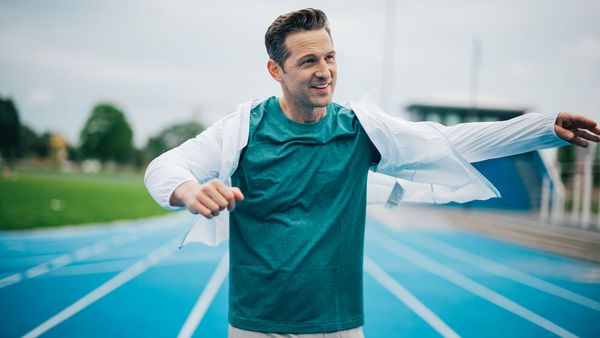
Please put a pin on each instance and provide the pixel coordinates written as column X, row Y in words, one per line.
column 302, row 59
column 303, row 20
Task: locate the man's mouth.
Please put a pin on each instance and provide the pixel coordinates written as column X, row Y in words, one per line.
column 321, row 86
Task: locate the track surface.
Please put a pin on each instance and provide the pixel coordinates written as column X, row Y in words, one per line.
column 423, row 278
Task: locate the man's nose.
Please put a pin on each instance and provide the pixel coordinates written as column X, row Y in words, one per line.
column 323, row 70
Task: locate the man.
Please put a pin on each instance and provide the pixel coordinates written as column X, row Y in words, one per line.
column 293, row 171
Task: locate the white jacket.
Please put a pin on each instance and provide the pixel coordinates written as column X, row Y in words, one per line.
column 421, row 162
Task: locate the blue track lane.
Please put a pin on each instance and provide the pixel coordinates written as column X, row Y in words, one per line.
column 459, row 278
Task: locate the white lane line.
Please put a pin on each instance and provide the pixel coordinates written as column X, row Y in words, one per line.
column 37, row 270
column 11, row 279
column 408, row 298
column 116, row 266
column 506, row 272
column 63, row 260
column 466, row 283
column 206, row 298
column 106, row 288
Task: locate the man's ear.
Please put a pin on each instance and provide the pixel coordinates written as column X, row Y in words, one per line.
column 275, row 70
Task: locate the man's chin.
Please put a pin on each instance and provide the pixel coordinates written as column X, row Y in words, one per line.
column 322, row 101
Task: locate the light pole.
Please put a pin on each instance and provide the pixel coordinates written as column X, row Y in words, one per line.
column 387, row 71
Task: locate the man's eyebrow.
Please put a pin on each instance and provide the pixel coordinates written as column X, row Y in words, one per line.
column 307, row 56
column 312, row 55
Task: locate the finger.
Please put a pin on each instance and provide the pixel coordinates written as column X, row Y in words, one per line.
column 570, row 137
column 199, row 208
column 580, row 142
column 218, row 198
column 228, row 195
column 583, row 122
column 574, row 121
column 211, row 189
column 237, row 193
column 582, row 133
column 209, row 203
column 192, row 209
column 564, row 134
column 593, row 130
column 204, row 211
column 225, row 195
column 231, row 205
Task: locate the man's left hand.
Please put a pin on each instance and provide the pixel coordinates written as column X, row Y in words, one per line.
column 576, row 129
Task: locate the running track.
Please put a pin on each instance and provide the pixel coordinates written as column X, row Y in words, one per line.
column 423, row 278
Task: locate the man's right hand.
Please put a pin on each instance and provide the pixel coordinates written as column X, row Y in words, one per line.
column 207, row 199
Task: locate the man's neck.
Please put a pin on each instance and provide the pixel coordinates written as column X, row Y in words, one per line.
column 302, row 116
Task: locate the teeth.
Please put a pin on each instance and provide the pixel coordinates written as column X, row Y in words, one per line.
column 321, row 86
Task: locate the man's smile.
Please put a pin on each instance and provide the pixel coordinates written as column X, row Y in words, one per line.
column 321, row 86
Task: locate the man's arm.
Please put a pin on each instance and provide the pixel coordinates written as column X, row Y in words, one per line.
column 480, row 141
column 185, row 176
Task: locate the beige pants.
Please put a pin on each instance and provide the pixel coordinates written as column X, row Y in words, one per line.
column 234, row 332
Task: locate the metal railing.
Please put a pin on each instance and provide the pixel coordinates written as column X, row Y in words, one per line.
column 572, row 204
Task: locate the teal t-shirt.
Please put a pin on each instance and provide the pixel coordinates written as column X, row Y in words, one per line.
column 296, row 241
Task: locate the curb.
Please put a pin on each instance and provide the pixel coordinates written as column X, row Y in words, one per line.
column 572, row 242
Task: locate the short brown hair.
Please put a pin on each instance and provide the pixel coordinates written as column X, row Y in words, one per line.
column 285, row 24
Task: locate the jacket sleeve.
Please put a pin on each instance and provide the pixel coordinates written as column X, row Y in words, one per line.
column 480, row 141
column 197, row 159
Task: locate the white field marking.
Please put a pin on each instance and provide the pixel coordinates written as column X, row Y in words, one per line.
column 507, row 272
column 106, row 288
column 466, row 283
column 63, row 260
column 206, row 298
column 408, row 298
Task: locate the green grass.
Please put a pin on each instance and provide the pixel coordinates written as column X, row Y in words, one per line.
column 45, row 199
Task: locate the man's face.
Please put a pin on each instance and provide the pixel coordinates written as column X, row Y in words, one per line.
column 309, row 73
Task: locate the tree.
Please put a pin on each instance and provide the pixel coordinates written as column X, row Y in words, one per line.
column 107, row 135
column 9, row 131
column 32, row 144
column 41, row 147
column 170, row 138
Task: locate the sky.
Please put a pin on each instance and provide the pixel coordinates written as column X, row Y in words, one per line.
column 165, row 62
